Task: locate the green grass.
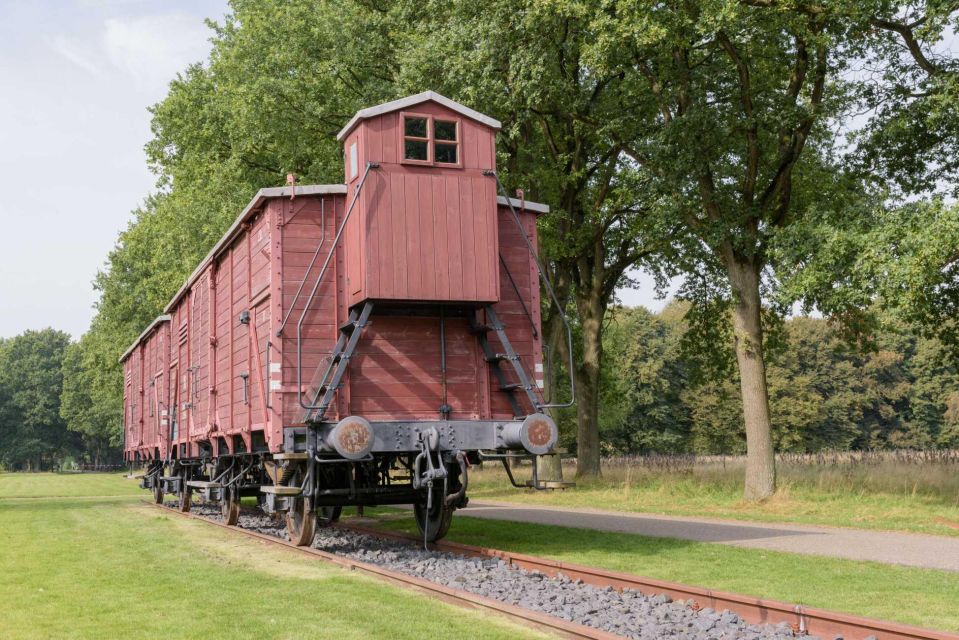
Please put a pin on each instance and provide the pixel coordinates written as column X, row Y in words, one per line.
column 912, row 596
column 111, row 567
column 68, row 485
column 922, row 498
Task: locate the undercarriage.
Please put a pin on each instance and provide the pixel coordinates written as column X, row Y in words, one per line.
column 353, row 462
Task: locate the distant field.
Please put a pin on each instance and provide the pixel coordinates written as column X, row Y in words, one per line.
column 110, row 567
column 895, row 491
column 912, row 596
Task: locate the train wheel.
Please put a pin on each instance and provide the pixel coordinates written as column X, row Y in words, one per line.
column 157, row 492
column 186, row 499
column 301, row 522
column 230, row 507
column 435, row 523
column 328, row 515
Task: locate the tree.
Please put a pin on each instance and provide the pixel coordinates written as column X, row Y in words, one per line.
column 740, row 106
column 89, row 404
column 644, row 376
column 564, row 125
column 31, row 380
column 280, row 82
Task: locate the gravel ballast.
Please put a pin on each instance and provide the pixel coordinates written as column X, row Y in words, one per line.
column 628, row 613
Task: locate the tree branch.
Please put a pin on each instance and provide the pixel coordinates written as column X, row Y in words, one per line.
column 752, row 135
column 909, row 38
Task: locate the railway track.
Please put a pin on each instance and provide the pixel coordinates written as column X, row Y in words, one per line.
column 778, row 618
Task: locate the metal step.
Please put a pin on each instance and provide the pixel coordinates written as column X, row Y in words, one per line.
column 481, row 331
column 513, row 359
column 292, row 455
column 326, row 385
column 280, row 490
column 203, row 484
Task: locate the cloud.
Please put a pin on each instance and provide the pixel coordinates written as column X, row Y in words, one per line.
column 75, row 53
column 152, row 49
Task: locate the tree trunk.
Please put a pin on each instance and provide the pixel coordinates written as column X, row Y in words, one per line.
column 551, row 467
column 587, row 386
column 748, row 338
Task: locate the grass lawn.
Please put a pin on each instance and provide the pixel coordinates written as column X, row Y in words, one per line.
column 111, row 567
column 861, row 498
column 68, row 485
column 913, row 596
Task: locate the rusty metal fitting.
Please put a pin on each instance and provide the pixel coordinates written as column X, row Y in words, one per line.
column 352, row 438
column 537, row 434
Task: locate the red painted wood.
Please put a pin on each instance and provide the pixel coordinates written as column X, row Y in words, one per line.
column 418, row 234
column 422, row 233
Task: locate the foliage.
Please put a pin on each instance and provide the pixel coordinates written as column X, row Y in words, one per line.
column 824, row 393
column 564, row 126
column 642, row 406
column 32, row 433
column 704, row 140
column 280, row 81
column 89, row 404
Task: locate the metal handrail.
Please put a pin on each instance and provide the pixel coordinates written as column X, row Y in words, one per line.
column 309, row 268
column 316, row 286
column 552, row 294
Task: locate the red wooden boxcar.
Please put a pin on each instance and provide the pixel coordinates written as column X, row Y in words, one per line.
column 356, row 343
column 146, row 392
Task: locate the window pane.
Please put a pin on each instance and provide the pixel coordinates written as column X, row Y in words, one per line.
column 445, row 153
column 415, row 127
column 444, row 130
column 415, row 150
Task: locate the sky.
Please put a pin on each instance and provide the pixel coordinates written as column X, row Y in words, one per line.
column 76, row 80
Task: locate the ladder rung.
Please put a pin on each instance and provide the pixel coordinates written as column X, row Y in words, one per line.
column 510, row 387
column 348, row 327
column 497, row 357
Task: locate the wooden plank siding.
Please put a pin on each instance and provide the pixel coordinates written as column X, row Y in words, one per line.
column 145, row 395
column 422, row 233
column 420, row 236
column 395, row 373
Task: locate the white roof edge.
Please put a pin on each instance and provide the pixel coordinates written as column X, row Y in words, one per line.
column 261, row 195
column 525, row 204
column 157, row 321
column 409, row 101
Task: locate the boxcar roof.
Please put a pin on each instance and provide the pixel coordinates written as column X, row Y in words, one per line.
column 409, row 101
column 248, row 211
column 156, row 322
column 278, row 192
column 535, row 207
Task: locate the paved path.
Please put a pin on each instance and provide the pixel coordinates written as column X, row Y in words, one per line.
column 918, row 550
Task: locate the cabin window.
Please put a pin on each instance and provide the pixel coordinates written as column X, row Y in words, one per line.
column 429, row 140
column 416, row 138
column 445, row 141
column 354, row 162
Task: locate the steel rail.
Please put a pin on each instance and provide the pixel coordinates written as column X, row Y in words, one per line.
column 459, row 597
column 808, row 620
